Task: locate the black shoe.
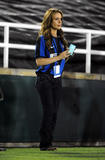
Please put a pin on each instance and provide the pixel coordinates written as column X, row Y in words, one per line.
column 2, row 149
column 50, row 148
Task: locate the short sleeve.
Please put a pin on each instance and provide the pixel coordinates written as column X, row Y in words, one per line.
column 40, row 47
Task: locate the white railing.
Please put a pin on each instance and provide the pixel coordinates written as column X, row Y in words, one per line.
column 6, row 45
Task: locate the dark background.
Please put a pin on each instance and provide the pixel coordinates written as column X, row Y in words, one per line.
column 80, row 118
column 86, row 14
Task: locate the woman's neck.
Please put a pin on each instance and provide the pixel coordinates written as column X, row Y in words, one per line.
column 54, row 32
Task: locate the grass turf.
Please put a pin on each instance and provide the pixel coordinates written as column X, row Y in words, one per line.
column 75, row 153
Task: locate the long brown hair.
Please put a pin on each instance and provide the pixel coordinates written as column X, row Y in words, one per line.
column 46, row 28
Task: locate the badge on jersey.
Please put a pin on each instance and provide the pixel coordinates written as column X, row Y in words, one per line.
column 56, row 71
column 53, row 55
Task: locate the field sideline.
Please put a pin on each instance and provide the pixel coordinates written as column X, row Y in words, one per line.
column 74, row 153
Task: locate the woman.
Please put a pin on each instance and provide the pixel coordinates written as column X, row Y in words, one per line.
column 51, row 52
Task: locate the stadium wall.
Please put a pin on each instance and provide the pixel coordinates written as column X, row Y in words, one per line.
column 81, row 119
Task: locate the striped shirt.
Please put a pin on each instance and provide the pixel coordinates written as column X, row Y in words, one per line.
column 42, row 51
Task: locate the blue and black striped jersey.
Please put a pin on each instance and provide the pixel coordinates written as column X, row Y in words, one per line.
column 41, row 51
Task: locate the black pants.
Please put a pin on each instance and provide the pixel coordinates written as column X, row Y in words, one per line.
column 49, row 89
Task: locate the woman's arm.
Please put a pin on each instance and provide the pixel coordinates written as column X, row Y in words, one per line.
column 45, row 61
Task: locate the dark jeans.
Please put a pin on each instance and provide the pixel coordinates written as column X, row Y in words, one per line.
column 49, row 89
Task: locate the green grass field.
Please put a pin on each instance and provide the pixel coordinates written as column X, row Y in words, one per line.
column 74, row 153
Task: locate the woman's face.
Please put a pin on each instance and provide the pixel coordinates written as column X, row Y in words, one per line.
column 56, row 21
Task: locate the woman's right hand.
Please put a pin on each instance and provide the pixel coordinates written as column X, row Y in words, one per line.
column 64, row 54
column 45, row 61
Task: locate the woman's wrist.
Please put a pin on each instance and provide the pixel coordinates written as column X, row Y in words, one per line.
column 58, row 57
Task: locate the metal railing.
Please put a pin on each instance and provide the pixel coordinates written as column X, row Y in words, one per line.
column 6, row 45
